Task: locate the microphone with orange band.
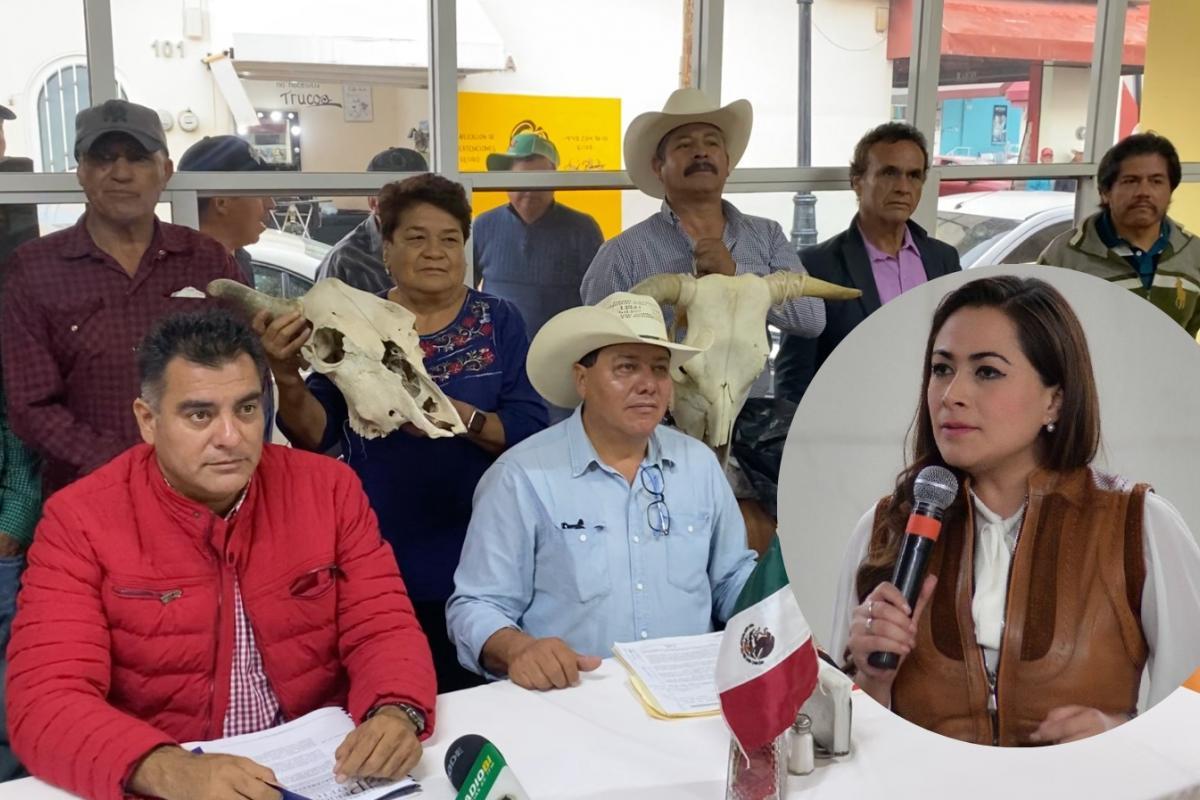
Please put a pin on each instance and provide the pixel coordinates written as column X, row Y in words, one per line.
column 933, row 491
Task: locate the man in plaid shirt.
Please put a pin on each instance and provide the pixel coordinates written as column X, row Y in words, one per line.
column 20, row 506
column 76, row 302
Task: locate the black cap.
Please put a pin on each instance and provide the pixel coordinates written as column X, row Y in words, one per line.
column 7, row 113
column 221, row 154
column 398, row 159
column 119, row 116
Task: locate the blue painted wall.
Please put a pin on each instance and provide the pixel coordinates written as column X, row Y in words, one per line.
column 967, row 127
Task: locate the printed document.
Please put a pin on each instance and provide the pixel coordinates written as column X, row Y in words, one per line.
column 675, row 676
column 300, row 753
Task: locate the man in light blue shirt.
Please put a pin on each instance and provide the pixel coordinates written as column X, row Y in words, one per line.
column 606, row 527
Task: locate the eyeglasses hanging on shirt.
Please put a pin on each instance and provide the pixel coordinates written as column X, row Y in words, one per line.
column 657, row 515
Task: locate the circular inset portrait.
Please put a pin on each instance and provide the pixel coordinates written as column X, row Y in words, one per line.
column 988, row 508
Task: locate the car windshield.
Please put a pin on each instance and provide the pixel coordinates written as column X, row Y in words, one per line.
column 965, row 232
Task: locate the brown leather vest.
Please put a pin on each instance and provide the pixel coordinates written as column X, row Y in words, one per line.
column 1072, row 633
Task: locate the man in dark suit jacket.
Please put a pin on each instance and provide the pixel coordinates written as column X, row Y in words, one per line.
column 882, row 253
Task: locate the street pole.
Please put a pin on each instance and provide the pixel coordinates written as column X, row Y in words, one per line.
column 804, row 213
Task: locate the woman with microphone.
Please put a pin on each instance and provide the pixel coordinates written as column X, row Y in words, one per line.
column 1052, row 585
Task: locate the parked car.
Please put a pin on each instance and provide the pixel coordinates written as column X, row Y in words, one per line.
column 1005, row 227
column 284, row 264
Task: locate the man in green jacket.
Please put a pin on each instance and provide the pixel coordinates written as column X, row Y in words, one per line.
column 1131, row 241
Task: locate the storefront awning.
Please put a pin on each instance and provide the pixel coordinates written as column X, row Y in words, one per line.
column 1029, row 30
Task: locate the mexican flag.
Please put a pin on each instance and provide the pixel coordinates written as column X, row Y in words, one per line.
column 767, row 665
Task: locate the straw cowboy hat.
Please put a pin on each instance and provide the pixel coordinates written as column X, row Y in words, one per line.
column 683, row 107
column 568, row 336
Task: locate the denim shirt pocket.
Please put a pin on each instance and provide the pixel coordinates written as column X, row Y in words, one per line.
column 687, row 551
column 579, row 563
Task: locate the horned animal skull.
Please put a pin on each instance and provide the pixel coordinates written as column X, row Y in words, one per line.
column 369, row 348
column 728, row 315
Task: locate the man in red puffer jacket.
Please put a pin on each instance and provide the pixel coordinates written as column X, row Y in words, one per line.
column 205, row 585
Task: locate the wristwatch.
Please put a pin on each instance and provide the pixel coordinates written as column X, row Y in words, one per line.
column 415, row 715
column 476, row 422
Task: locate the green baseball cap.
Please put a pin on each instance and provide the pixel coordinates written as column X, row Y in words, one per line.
column 523, row 145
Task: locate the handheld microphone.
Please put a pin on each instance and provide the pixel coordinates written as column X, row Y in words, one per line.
column 933, row 491
column 478, row 771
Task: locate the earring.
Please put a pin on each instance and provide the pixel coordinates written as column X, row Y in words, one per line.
column 1050, row 427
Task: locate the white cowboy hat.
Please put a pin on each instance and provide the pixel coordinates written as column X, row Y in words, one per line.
column 683, row 107
column 622, row 317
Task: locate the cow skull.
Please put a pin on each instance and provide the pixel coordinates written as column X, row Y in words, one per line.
column 728, row 315
column 369, row 348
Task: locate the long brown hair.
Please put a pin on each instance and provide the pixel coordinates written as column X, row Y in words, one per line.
column 1053, row 340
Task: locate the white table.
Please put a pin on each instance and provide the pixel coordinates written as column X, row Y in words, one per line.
column 595, row 741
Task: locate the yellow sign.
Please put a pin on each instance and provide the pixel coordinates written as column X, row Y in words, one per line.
column 585, row 130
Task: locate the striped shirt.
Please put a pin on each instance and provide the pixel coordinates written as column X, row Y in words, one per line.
column 357, row 259
column 660, row 244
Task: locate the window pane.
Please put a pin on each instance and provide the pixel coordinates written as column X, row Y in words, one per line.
column 528, row 67
column 1001, row 226
column 855, row 82
column 268, row 280
column 1015, row 79
column 43, row 81
column 296, row 286
column 320, row 87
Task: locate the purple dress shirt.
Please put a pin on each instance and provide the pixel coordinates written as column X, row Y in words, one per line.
column 895, row 274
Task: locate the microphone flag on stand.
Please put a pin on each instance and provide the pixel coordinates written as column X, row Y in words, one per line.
column 767, row 664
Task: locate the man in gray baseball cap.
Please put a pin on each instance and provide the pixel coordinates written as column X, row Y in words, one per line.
column 119, row 116
column 103, row 283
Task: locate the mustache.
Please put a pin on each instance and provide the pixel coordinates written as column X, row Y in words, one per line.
column 698, row 166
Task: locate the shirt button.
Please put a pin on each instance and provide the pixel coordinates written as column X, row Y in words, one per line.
column 689, row 528
column 639, row 587
column 162, row 253
column 636, row 540
column 583, row 537
column 74, row 328
column 644, row 634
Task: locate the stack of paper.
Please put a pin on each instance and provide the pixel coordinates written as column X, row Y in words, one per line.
column 300, row 753
column 674, row 677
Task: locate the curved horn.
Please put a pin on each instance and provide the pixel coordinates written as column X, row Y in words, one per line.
column 667, row 288
column 790, row 285
column 249, row 300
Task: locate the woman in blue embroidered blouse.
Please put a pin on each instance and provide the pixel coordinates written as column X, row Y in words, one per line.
column 474, row 348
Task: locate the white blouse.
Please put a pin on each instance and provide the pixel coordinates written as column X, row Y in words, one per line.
column 1170, row 595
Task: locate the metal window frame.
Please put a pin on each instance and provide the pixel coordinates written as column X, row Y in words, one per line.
column 101, row 61
column 708, row 53
column 925, row 64
column 1103, row 99
column 708, row 48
